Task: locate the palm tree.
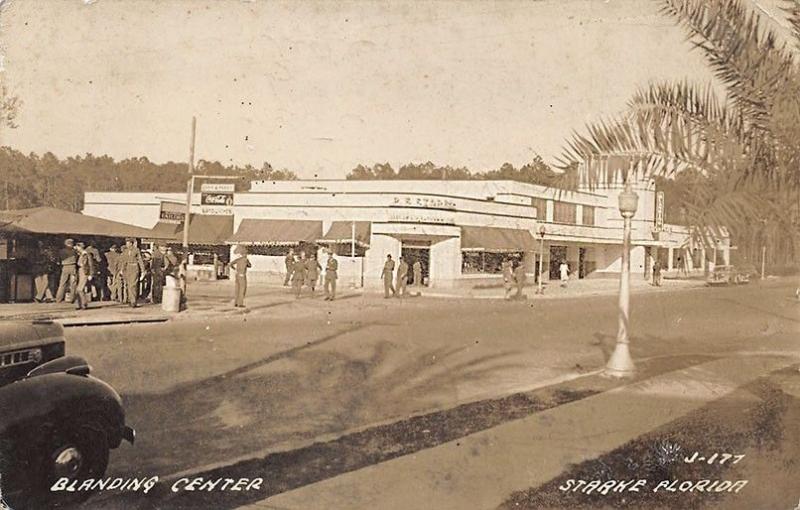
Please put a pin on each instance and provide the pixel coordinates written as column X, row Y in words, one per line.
column 744, row 149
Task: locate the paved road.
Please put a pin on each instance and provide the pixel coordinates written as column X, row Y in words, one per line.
column 205, row 394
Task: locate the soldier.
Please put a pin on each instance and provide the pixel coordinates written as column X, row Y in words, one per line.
column 331, row 274
column 157, row 273
column 240, row 265
column 402, row 277
column 69, row 272
column 146, row 280
column 132, row 268
column 417, row 268
column 386, row 275
column 86, row 273
column 519, row 278
column 96, row 285
column 508, row 277
column 298, row 275
column 113, row 281
column 289, row 262
column 42, row 266
column 312, row 273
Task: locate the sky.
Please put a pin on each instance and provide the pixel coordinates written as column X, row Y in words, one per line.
column 319, row 87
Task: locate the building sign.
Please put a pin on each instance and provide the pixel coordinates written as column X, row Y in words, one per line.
column 172, row 212
column 424, row 202
column 659, row 211
column 421, row 217
column 216, row 199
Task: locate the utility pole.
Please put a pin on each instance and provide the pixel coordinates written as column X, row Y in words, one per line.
column 189, row 191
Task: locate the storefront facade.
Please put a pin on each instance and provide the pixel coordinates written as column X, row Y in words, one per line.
column 460, row 231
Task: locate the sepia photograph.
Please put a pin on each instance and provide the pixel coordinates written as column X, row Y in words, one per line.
column 400, row 254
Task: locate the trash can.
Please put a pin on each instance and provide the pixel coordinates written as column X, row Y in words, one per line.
column 171, row 299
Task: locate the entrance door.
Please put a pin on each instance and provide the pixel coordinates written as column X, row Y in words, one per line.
column 557, row 254
column 413, row 252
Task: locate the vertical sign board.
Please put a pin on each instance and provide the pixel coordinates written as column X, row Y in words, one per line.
column 216, row 199
column 659, row 211
column 172, row 212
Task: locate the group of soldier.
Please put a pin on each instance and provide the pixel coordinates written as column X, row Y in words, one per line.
column 401, row 278
column 304, row 270
column 124, row 275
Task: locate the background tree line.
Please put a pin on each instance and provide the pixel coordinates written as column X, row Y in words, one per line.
column 30, row 180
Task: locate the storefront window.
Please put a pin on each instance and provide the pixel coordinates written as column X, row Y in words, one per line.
column 481, row 262
column 565, row 213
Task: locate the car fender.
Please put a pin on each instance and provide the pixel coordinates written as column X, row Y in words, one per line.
column 62, row 364
column 57, row 398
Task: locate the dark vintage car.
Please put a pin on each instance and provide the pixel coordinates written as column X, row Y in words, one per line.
column 56, row 420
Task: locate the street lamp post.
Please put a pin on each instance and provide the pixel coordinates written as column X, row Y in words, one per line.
column 541, row 257
column 621, row 364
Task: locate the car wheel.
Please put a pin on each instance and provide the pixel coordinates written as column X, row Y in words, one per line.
column 74, row 453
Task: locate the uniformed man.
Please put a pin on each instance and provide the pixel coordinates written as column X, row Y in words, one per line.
column 69, row 273
column 86, row 272
column 417, row 268
column 519, row 279
column 240, row 264
column 132, row 267
column 289, row 262
column 157, row 273
column 146, row 280
column 331, row 274
column 112, row 280
column 402, row 277
column 386, row 275
column 508, row 277
column 42, row 266
column 312, row 273
column 96, row 285
column 298, row 275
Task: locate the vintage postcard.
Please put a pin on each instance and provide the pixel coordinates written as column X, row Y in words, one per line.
column 400, row 255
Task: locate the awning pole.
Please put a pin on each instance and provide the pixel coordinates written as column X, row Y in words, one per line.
column 187, row 216
column 353, row 250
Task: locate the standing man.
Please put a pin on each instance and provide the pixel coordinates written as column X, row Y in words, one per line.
column 132, row 267
column 42, row 265
column 508, row 277
column 114, row 283
column 402, row 277
column 331, row 274
column 563, row 271
column 519, row 278
column 298, row 275
column 69, row 273
column 417, row 269
column 240, row 265
column 157, row 273
column 289, row 263
column 146, row 281
column 657, row 273
column 86, row 273
column 312, row 273
column 96, row 285
column 386, row 274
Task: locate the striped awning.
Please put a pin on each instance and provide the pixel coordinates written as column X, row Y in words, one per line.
column 496, row 239
column 204, row 229
column 253, row 231
column 342, row 232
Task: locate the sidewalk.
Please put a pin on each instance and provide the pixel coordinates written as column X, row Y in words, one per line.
column 481, row 470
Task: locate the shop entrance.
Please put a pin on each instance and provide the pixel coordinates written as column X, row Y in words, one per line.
column 557, row 254
column 413, row 251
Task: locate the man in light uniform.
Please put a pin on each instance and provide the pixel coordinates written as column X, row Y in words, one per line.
column 132, row 266
column 402, row 277
column 69, row 272
column 86, row 273
column 386, row 275
column 331, row 274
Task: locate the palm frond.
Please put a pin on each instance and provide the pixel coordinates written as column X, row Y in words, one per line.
column 792, row 10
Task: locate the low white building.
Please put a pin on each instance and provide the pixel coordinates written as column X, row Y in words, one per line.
column 459, row 230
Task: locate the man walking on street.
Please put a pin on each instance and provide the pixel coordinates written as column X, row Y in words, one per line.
column 657, row 273
column 157, row 272
column 331, row 274
column 417, row 268
column 298, row 276
column 240, row 265
column 132, row 266
column 289, row 263
column 69, row 272
column 508, row 277
column 86, row 273
column 114, row 284
column 386, row 275
column 402, row 277
column 519, row 279
column 42, row 265
column 312, row 273
column 96, row 285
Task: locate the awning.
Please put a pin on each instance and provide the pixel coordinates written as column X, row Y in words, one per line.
column 52, row 221
column 496, row 239
column 253, row 231
column 203, row 229
column 342, row 232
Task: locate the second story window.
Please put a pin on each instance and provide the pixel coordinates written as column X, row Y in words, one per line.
column 588, row 215
column 541, row 208
column 564, row 213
